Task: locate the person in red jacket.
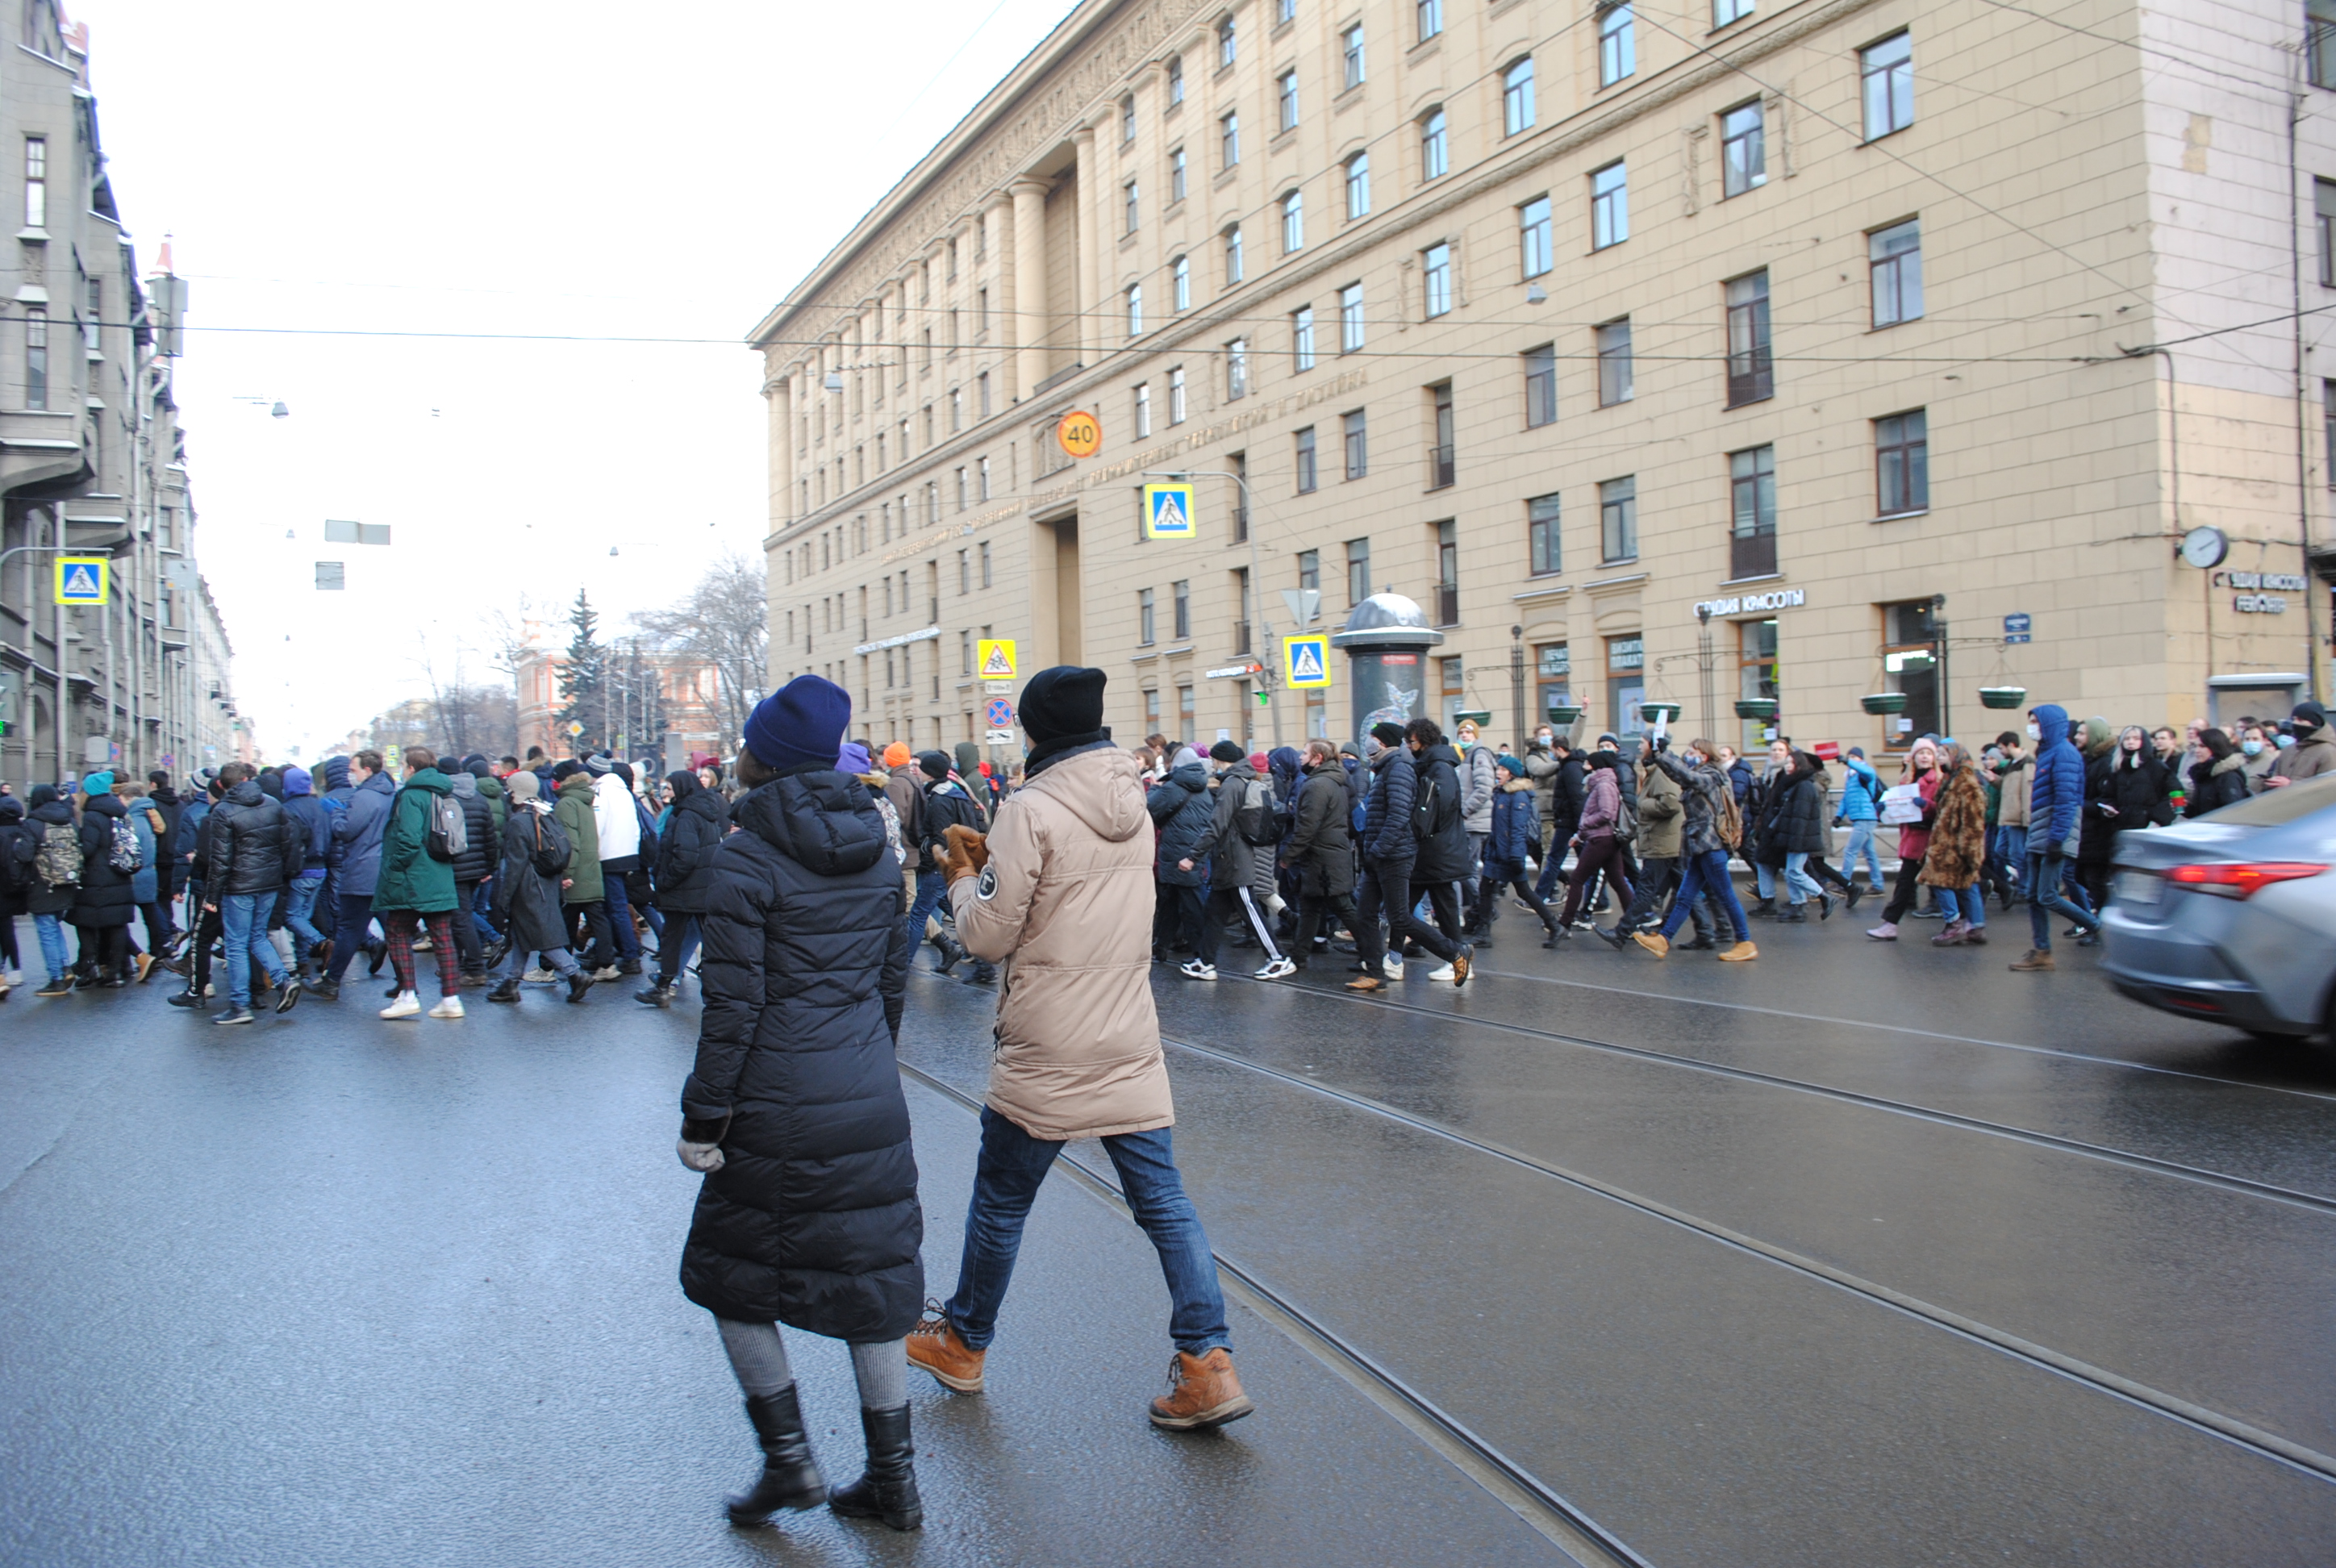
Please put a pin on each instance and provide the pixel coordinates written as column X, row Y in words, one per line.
column 1913, row 837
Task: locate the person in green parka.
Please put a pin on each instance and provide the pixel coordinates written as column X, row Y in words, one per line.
column 417, row 888
column 584, row 890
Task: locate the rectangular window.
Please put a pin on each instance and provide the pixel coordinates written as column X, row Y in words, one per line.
column 1756, row 676
column 1229, row 140
column 1187, row 720
column 1435, row 275
column 1435, row 152
column 1751, row 376
column 1541, row 386
column 1228, row 43
column 1517, row 97
column 1136, row 310
column 1618, row 44
column 957, row 409
column 1175, row 79
column 983, row 469
column 1743, row 153
column 1350, row 47
column 1293, row 222
column 1359, row 186
column 1284, row 11
column 1618, row 519
column 1536, row 244
column 1127, row 119
column 1626, row 684
column 2320, row 42
column 1142, row 409
column 2323, row 198
column 1176, row 176
column 1724, row 12
column 982, row 381
column 984, row 566
column 1180, row 275
column 1238, row 463
column 1232, row 256
column 1614, row 363
column 1129, row 207
column 1301, row 337
column 1909, row 664
column 1430, row 14
column 964, row 491
column 1552, row 677
column 1180, row 596
column 1358, row 571
column 1752, row 512
column 1350, row 318
column 1443, row 463
column 1310, row 565
column 1542, row 535
column 1306, row 477
column 1285, row 97
column 1447, row 577
column 1886, row 73
column 2327, row 428
column 964, row 579
column 37, row 356
column 1150, row 710
column 1176, row 394
column 965, row 655
column 1242, row 640
column 1143, row 617
column 1902, row 462
column 1609, row 206
column 1896, row 261
column 1237, row 369
column 1358, row 450
column 36, row 183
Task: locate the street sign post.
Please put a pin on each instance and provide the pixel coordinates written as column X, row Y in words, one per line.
column 1306, row 661
column 1080, row 434
column 82, row 579
column 1168, row 511
column 994, row 658
column 1305, row 604
column 998, row 713
column 2017, row 627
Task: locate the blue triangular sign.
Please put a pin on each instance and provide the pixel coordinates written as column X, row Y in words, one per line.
column 81, row 582
column 1306, row 664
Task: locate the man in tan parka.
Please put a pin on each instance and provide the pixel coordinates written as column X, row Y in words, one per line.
column 1059, row 895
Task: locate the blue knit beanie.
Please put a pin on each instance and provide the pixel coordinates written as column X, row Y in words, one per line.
column 98, row 784
column 802, row 722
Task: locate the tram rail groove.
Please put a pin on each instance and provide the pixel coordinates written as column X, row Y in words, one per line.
column 2210, row 1422
column 1538, row 1505
column 2246, row 1186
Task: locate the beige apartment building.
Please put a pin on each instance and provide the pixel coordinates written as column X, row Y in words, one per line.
column 1702, row 350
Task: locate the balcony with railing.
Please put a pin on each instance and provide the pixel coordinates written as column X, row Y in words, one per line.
column 1752, row 554
column 1447, row 604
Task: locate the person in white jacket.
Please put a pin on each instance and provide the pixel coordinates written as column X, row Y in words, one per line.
column 618, row 823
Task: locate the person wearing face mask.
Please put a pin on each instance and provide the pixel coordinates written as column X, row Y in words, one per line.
column 1957, row 850
column 2255, row 744
column 1861, row 809
column 2218, row 775
column 2130, row 794
column 2008, row 843
column 2311, row 752
column 1711, row 820
column 1922, row 771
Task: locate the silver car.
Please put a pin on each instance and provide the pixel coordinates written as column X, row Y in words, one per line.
column 2232, row 915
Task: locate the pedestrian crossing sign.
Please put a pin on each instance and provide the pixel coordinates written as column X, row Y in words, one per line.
column 81, row 578
column 997, row 656
column 1306, row 660
column 1168, row 511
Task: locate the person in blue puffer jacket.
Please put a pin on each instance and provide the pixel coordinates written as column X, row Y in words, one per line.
column 1515, row 835
column 2054, row 802
column 1860, row 801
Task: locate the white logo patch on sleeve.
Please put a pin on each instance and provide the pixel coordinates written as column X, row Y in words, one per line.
column 988, row 886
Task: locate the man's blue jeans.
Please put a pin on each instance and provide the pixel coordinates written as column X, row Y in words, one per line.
column 2044, row 901
column 2012, row 849
column 1707, row 874
column 929, row 886
column 1861, row 842
column 243, row 922
column 300, row 903
column 51, row 930
column 1968, row 904
column 1005, row 1180
column 351, row 918
column 621, row 918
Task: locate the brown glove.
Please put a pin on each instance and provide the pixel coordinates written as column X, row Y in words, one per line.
column 968, row 851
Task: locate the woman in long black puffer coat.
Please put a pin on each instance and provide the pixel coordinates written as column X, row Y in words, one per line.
column 809, row 1214
column 2218, row 778
column 683, row 877
column 105, row 903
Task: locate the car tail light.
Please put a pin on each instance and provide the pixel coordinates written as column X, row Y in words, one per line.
column 2240, row 879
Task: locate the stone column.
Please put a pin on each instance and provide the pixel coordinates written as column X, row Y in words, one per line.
column 1090, row 271
column 1026, row 299
column 998, row 231
column 778, row 391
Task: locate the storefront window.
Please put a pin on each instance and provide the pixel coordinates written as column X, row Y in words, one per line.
column 1755, row 642
column 1553, row 673
column 1910, row 663
column 1452, row 675
column 1626, row 684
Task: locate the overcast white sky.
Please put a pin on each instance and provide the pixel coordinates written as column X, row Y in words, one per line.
column 522, row 167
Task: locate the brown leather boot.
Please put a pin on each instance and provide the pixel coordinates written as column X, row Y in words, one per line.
column 1203, row 1391
column 933, row 1344
column 1741, row 953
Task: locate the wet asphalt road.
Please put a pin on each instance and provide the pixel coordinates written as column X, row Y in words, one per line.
column 1857, row 1256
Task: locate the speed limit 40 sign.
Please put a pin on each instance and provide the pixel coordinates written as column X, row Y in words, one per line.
column 1080, row 434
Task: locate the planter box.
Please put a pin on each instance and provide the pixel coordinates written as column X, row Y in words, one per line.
column 2005, row 697
column 1883, row 702
column 1756, row 708
column 1564, row 714
column 1652, row 711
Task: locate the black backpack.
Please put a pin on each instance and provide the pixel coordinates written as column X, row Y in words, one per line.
column 552, row 851
column 18, row 851
column 1432, row 811
column 448, row 836
column 1261, row 819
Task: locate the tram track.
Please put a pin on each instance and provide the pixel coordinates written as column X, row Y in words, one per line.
column 2248, row 1186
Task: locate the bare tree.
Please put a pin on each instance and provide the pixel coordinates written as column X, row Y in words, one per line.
column 724, row 623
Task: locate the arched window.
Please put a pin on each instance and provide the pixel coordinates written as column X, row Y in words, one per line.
column 1517, row 97
column 1434, row 148
column 1293, row 222
column 1359, row 186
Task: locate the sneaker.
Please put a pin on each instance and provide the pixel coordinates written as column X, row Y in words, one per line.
column 1464, row 961
column 933, row 1344
column 1368, row 983
column 578, row 985
column 1280, row 969
column 2035, row 958
column 1442, row 973
column 655, row 997
column 176, row 998
column 1654, row 942
column 1933, row 913
column 62, row 987
column 1741, row 953
column 1975, row 936
column 1887, row 932
column 291, row 997
column 607, row 972
column 447, row 1007
column 540, row 977
column 1197, row 970
column 1616, row 939
column 1204, row 1391
column 233, row 1015
column 1392, row 967
column 407, row 1005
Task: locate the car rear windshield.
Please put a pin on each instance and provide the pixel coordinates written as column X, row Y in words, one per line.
column 2277, row 808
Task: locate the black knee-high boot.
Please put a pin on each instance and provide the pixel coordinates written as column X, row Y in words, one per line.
column 889, row 1490
column 791, row 1477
